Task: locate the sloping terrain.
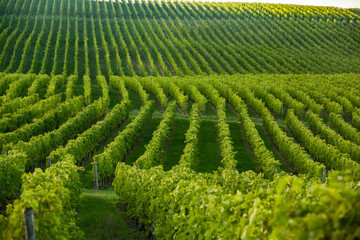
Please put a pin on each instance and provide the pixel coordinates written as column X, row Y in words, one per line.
column 210, row 120
column 175, row 38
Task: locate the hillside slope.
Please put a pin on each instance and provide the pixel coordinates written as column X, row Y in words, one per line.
column 220, row 156
column 175, row 38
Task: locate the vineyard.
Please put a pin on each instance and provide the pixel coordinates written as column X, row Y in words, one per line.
column 210, row 120
column 175, row 38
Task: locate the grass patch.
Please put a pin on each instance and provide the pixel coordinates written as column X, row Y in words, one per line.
column 78, row 90
column 115, row 97
column 100, row 219
column 95, row 92
column 209, row 152
column 244, row 160
column 176, row 144
column 135, row 102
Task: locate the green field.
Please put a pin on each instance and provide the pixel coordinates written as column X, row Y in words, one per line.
column 194, row 120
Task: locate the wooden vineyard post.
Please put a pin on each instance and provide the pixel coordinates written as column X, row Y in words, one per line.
column 204, row 108
column 96, row 176
column 323, row 176
column 153, row 230
column 165, row 104
column 49, row 161
column 29, row 224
